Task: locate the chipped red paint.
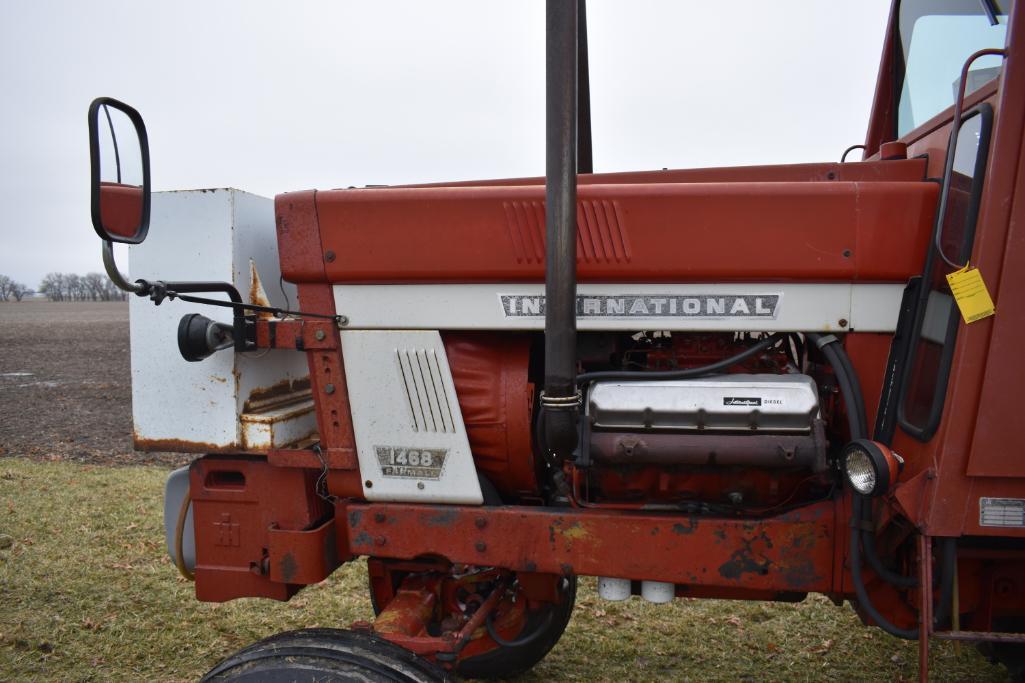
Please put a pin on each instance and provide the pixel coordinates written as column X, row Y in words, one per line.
column 299, row 250
column 296, row 335
column 327, row 380
column 302, row 556
column 788, row 553
column 411, row 607
column 308, row 458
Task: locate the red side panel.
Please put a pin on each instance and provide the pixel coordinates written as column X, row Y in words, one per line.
column 299, row 249
column 664, row 232
column 998, row 449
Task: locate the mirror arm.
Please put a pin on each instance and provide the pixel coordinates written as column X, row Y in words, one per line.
column 115, row 275
column 244, row 340
column 244, row 333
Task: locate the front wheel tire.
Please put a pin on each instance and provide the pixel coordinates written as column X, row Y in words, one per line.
column 325, row 655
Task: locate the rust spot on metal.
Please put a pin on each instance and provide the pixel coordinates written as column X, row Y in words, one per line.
column 444, row 518
column 288, row 567
column 354, row 517
column 688, row 528
column 179, row 445
column 575, row 531
column 261, row 397
column 747, row 560
column 800, row 574
column 363, row 539
column 257, row 295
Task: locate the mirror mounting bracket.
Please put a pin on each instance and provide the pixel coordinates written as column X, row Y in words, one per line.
column 159, row 290
column 243, row 327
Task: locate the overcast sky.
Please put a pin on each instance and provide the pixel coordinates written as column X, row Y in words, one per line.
column 271, row 97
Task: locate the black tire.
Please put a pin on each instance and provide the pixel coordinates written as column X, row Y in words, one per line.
column 325, row 655
column 504, row 662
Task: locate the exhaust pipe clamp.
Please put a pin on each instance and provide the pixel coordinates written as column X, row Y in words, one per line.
column 571, row 403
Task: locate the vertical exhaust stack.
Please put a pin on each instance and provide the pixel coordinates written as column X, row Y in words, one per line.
column 560, row 400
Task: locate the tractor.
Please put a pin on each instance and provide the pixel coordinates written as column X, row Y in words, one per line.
column 749, row 383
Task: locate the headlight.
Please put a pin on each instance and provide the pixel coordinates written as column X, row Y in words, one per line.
column 871, row 468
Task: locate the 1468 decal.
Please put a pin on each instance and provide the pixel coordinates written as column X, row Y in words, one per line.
column 411, row 463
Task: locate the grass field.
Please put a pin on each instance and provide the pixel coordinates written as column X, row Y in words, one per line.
column 87, row 594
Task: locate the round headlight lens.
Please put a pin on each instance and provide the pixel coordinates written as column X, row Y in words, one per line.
column 861, row 474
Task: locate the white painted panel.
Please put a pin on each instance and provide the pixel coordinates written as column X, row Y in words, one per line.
column 410, row 438
column 255, row 239
column 189, row 239
column 203, row 235
column 875, row 308
column 692, row 307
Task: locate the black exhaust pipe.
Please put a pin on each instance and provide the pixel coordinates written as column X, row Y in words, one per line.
column 560, row 399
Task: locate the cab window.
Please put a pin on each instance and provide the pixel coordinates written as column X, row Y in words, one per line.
column 936, row 37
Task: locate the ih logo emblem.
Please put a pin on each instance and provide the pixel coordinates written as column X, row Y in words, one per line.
column 411, row 463
column 227, row 532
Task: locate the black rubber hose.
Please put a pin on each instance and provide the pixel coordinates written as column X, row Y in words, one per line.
column 846, row 376
column 847, row 387
column 688, row 373
column 859, row 585
column 850, row 388
column 860, row 538
column 948, row 558
column 868, row 542
column 852, row 377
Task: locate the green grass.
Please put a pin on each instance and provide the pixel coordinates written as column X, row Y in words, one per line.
column 87, row 593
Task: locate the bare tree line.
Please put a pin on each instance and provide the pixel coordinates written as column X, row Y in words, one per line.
column 9, row 289
column 65, row 287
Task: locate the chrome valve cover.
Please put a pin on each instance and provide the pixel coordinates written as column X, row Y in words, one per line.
column 731, row 403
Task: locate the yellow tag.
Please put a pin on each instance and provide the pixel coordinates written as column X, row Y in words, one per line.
column 971, row 294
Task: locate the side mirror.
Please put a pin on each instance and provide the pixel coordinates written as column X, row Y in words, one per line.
column 119, row 160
